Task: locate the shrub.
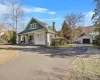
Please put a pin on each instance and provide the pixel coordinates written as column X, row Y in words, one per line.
column 54, row 43
column 10, row 37
column 58, row 42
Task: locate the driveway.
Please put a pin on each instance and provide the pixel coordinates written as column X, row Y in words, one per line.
column 36, row 63
column 40, row 63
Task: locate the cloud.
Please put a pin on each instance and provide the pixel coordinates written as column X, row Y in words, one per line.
column 89, row 14
column 34, row 10
column 38, row 10
column 50, row 19
column 51, row 13
column 88, row 18
column 3, row 9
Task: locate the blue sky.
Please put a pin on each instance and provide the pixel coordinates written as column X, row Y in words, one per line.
column 55, row 10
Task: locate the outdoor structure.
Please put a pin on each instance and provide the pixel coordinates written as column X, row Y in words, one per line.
column 36, row 33
column 88, row 38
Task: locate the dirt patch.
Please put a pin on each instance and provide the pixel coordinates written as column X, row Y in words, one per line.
column 7, row 55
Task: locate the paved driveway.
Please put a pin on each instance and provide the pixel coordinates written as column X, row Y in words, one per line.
column 40, row 63
column 36, row 64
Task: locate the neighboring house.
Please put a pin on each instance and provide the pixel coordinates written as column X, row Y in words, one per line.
column 77, row 32
column 36, row 33
column 88, row 38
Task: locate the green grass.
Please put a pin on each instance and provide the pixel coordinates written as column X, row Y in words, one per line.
column 85, row 68
column 94, row 47
column 66, row 46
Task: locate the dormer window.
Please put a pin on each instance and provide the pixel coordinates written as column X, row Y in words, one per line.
column 34, row 26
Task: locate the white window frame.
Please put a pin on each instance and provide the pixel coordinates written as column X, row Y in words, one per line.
column 30, row 26
column 34, row 26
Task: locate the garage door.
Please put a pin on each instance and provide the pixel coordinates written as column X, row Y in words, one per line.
column 86, row 41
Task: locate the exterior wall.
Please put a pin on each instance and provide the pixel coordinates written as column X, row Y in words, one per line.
column 49, row 38
column 39, row 38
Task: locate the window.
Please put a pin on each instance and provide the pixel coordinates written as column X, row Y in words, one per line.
column 39, row 36
column 34, row 26
column 30, row 25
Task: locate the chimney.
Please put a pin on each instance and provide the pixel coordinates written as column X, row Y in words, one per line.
column 54, row 26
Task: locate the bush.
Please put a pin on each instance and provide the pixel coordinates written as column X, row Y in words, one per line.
column 97, row 40
column 10, row 37
column 58, row 42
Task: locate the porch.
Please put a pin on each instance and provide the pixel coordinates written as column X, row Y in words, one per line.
column 25, row 39
column 32, row 39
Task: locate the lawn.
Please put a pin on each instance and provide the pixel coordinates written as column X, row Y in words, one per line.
column 7, row 55
column 85, row 68
column 66, row 46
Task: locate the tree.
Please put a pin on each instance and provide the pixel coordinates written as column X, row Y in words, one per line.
column 74, row 20
column 66, row 31
column 96, row 16
column 9, row 36
column 15, row 13
column 96, row 20
column 58, row 33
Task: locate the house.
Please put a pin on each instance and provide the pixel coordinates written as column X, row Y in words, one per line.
column 88, row 38
column 36, row 33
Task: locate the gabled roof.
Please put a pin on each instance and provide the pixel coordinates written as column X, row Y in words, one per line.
column 44, row 29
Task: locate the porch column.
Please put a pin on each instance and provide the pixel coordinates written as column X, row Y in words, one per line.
column 33, row 39
column 26, row 38
column 47, row 41
column 19, row 39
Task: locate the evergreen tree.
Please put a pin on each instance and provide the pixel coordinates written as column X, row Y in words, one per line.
column 96, row 18
column 66, row 31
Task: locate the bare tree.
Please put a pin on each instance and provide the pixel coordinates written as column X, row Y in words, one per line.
column 75, row 20
column 13, row 14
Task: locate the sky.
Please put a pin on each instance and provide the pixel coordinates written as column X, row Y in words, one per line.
column 50, row 11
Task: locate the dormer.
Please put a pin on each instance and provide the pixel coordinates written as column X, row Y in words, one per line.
column 33, row 26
